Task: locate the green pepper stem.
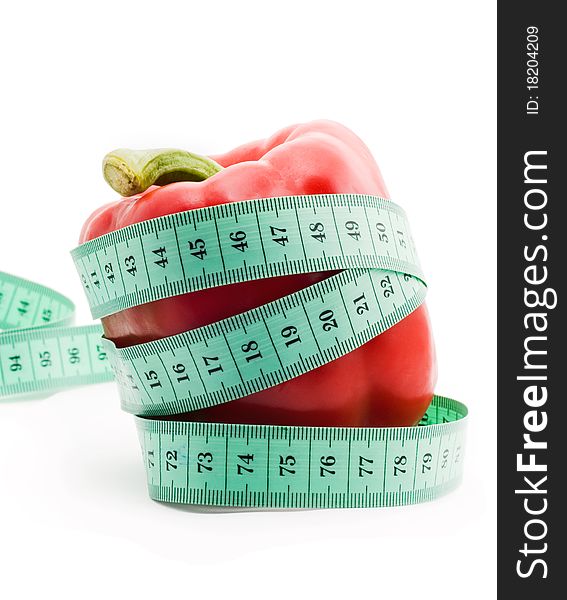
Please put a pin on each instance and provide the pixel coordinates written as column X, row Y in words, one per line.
column 132, row 172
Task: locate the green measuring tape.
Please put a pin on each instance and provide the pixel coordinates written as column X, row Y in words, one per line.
column 240, row 241
column 297, row 467
column 39, row 352
column 245, row 465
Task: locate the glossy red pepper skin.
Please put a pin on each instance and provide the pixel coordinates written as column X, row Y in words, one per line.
column 387, row 382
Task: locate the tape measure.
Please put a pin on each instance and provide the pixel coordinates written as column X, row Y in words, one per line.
column 381, row 282
column 39, row 352
column 240, row 241
column 298, row 467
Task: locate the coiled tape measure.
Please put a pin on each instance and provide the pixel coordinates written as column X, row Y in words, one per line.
column 366, row 238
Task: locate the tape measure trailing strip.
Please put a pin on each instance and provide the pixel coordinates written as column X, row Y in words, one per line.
column 244, row 465
column 240, row 241
column 296, row 467
column 26, row 304
column 39, row 354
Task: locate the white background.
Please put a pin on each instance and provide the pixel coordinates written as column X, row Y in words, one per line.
column 416, row 80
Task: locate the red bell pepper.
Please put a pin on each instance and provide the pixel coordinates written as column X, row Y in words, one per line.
column 388, row 381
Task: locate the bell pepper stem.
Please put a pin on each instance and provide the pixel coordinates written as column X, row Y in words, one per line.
column 130, row 172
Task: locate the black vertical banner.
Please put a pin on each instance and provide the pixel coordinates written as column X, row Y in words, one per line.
column 532, row 267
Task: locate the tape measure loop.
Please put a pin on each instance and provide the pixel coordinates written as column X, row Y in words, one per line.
column 242, row 241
